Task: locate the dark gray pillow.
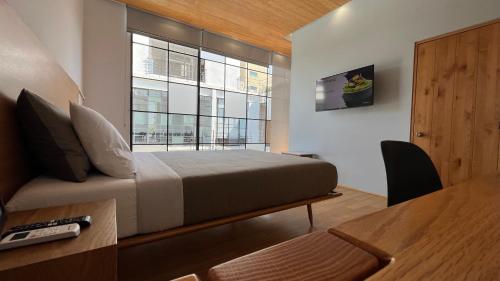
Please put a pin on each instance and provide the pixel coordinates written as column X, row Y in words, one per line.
column 51, row 140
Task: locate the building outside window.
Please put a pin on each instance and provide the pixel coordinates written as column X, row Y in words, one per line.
column 227, row 107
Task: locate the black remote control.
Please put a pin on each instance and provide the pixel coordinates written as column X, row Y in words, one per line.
column 83, row 221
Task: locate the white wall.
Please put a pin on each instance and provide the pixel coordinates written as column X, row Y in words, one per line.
column 106, row 56
column 363, row 32
column 59, row 26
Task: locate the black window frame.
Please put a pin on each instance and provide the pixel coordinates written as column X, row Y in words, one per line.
column 198, row 139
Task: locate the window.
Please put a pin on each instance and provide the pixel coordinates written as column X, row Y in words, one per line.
column 185, row 98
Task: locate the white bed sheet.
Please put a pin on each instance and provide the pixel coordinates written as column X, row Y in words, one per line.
column 160, row 198
column 44, row 192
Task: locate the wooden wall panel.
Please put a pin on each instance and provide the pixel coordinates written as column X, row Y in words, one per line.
column 424, row 92
column 442, row 105
column 497, row 90
column 463, row 108
column 487, row 116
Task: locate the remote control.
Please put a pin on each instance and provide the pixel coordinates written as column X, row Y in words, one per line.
column 25, row 238
column 83, row 221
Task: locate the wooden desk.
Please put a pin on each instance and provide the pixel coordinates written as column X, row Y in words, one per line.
column 452, row 234
column 90, row 256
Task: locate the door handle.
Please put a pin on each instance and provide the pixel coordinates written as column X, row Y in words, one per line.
column 420, row 134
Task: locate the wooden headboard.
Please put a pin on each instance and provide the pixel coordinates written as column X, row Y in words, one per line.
column 24, row 63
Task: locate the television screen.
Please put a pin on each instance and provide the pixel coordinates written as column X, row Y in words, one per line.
column 349, row 89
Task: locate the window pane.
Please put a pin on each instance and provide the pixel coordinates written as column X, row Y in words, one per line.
column 137, row 38
column 211, row 102
column 236, row 62
column 149, row 148
column 260, row 147
column 211, row 146
column 183, row 99
column 257, row 67
column 149, row 128
column 212, row 74
column 269, row 109
column 233, row 147
column 257, row 83
column 234, row 130
column 181, row 129
column 256, row 129
column 236, row 105
column 183, row 49
column 233, row 102
column 269, row 85
column 212, row 56
column 149, row 100
column 149, row 84
column 256, row 107
column 184, row 147
column 236, row 79
column 211, row 129
column 183, row 68
column 149, row 62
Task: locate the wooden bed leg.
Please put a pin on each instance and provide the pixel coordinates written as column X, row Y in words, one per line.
column 310, row 214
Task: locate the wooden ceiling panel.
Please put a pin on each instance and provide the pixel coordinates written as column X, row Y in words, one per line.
column 263, row 23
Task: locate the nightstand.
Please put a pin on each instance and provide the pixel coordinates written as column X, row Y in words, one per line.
column 90, row 256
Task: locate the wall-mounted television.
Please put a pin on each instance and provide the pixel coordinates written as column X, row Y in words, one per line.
column 353, row 88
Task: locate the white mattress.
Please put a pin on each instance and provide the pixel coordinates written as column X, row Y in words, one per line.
column 44, row 192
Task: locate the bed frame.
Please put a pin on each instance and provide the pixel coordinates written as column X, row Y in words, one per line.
column 155, row 236
column 25, row 63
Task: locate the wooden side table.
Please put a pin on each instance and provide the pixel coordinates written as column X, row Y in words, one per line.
column 90, row 256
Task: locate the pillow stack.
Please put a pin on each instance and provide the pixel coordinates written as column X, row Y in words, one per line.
column 64, row 147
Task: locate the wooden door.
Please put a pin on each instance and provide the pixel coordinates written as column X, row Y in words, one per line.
column 424, row 92
column 456, row 102
column 487, row 116
column 433, row 100
column 442, row 105
column 464, row 107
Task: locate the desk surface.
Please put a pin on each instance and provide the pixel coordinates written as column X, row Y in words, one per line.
column 452, row 234
column 101, row 233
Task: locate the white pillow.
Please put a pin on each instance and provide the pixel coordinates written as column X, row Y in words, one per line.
column 104, row 145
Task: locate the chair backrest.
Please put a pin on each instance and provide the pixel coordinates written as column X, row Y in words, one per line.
column 410, row 172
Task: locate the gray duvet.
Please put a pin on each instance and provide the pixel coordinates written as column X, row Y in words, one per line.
column 218, row 184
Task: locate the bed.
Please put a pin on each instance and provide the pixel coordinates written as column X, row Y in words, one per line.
column 173, row 192
column 182, row 189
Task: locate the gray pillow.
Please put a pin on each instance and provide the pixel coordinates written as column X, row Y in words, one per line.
column 51, row 140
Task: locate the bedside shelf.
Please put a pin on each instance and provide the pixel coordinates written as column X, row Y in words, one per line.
column 90, row 256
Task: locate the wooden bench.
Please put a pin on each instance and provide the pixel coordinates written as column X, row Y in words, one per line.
column 316, row 256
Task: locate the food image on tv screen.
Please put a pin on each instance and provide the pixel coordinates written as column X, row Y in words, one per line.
column 349, row 89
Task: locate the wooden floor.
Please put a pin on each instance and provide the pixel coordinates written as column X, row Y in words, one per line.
column 197, row 252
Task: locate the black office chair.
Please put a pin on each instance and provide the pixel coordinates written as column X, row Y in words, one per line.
column 410, row 172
